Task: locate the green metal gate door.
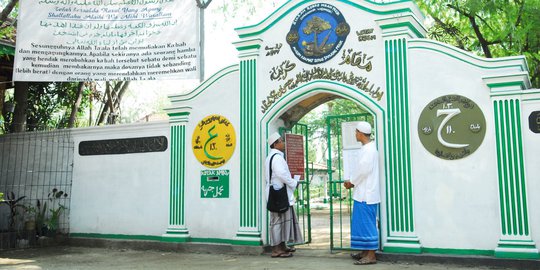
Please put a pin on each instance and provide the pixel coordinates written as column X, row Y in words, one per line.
column 340, row 198
column 302, row 206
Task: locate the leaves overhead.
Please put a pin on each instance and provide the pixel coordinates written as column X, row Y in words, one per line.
column 489, row 28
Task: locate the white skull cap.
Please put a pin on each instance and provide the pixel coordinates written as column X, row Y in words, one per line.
column 364, row 127
column 273, row 138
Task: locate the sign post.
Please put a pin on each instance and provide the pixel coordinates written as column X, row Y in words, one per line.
column 294, row 151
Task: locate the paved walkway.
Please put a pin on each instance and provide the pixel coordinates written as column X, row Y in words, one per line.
column 82, row 258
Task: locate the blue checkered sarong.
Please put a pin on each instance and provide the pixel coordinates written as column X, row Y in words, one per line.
column 364, row 234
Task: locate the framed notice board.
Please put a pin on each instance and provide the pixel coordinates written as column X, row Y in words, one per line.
column 294, row 152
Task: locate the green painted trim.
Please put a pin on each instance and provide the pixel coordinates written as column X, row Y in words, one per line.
column 177, row 175
column 458, row 251
column 178, row 114
column 498, row 136
column 506, row 94
column 511, row 169
column 116, row 236
column 165, row 239
column 293, row 8
column 400, row 214
column 249, row 211
column 520, row 246
column 409, row 25
column 516, row 255
column 417, row 44
column 521, row 84
column 249, row 47
column 402, row 250
column 519, row 154
column 227, row 241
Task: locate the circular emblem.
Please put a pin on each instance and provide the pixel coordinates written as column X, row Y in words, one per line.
column 317, row 34
column 213, row 141
column 451, row 127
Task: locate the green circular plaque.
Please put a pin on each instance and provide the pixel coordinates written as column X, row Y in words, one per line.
column 451, row 127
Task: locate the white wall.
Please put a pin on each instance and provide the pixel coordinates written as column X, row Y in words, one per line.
column 531, row 150
column 120, row 194
column 213, row 217
column 456, row 202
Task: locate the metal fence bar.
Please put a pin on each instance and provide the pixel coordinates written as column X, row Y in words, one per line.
column 35, row 167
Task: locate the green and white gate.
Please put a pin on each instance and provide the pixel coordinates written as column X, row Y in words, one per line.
column 340, row 199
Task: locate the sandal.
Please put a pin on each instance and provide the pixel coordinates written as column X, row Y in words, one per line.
column 365, row 262
column 358, row 256
column 290, row 249
column 282, row 255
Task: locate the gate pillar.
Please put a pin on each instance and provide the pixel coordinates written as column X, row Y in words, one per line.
column 506, row 94
column 401, row 235
column 250, row 208
column 176, row 230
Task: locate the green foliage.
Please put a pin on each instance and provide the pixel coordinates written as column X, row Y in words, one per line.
column 8, row 28
column 48, row 215
column 56, row 209
column 41, row 212
column 1, row 196
column 50, row 104
column 317, row 126
column 490, row 28
column 13, row 203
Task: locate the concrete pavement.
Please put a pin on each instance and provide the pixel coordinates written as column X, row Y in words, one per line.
column 82, row 258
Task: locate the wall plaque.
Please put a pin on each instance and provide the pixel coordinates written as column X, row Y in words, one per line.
column 451, row 127
column 213, row 141
column 215, row 184
column 123, row 146
column 294, row 151
column 317, row 33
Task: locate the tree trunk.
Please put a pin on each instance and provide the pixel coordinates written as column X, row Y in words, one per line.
column 483, row 42
column 2, row 100
column 105, row 108
column 121, row 93
column 112, row 99
column 21, row 106
column 5, row 12
column 76, row 105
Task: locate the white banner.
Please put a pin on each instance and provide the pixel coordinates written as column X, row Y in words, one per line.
column 104, row 40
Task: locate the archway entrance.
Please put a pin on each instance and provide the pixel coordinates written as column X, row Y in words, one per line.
column 323, row 205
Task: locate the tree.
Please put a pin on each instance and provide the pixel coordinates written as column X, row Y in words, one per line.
column 39, row 105
column 7, row 19
column 490, row 28
column 110, row 110
column 317, row 126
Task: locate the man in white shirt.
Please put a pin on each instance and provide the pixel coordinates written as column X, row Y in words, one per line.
column 366, row 196
column 284, row 227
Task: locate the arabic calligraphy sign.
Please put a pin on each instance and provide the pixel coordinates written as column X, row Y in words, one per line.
column 294, row 151
column 451, row 127
column 213, row 141
column 104, row 40
column 215, row 184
